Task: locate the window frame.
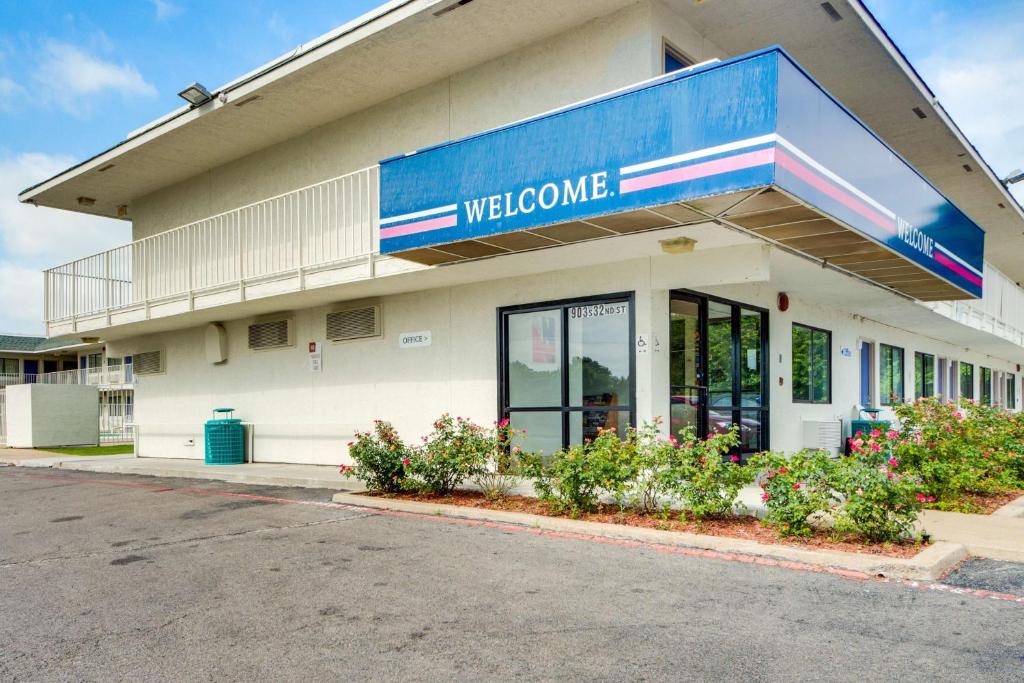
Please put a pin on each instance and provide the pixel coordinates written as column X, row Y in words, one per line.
column 883, row 396
column 670, row 50
column 960, row 371
column 828, row 358
column 985, row 381
column 563, row 305
column 919, row 387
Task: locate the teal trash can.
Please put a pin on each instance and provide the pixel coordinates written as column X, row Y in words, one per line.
column 225, row 438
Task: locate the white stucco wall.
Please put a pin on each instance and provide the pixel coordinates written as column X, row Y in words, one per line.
column 601, row 55
column 301, row 416
column 47, row 415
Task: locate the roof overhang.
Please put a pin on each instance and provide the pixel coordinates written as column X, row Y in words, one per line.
column 753, row 142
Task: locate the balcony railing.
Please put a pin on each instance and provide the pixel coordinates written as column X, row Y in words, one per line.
column 1000, row 311
column 332, row 222
column 115, row 376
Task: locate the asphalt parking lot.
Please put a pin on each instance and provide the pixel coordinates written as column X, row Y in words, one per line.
column 108, row 577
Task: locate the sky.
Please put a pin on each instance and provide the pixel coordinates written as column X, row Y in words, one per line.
column 76, row 77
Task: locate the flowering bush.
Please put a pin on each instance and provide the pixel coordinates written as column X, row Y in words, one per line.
column 456, row 450
column 381, row 458
column 574, row 478
column 699, row 474
column 499, row 474
column 880, row 502
column 797, row 489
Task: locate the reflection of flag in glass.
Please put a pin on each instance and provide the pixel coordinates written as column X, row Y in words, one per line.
column 544, row 340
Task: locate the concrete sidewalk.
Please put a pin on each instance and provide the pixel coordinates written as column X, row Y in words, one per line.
column 28, row 457
column 997, row 537
column 268, row 474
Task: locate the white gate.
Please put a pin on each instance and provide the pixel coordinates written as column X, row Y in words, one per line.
column 3, row 416
column 117, row 416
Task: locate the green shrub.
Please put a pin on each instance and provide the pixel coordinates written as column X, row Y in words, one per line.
column 797, row 489
column 576, row 477
column 456, row 450
column 500, row 472
column 880, row 503
column 700, row 476
column 381, row 458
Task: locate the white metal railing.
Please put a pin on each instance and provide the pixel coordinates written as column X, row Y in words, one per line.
column 3, row 416
column 329, row 222
column 102, row 377
column 1000, row 310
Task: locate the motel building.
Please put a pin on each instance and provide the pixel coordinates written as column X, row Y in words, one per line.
column 578, row 215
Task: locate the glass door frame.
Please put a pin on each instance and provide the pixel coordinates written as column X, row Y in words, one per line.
column 701, row 300
column 564, row 305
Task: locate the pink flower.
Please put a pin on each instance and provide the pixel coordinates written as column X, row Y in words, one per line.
column 931, row 499
column 406, row 461
column 875, row 433
column 875, row 447
column 735, row 458
column 922, row 498
column 893, row 462
column 783, row 470
column 766, row 496
column 892, row 434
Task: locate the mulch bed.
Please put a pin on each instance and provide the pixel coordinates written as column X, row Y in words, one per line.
column 987, row 503
column 748, row 528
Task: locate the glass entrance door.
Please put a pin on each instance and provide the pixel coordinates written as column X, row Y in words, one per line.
column 717, row 368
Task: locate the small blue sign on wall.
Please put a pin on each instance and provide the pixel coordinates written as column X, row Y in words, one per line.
column 750, row 122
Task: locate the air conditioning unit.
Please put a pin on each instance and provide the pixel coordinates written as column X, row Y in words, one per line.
column 826, row 435
column 271, row 333
column 361, row 322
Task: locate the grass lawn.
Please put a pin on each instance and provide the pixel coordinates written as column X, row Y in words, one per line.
column 91, row 450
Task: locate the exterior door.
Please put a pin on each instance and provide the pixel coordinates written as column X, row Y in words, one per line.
column 30, row 368
column 718, row 372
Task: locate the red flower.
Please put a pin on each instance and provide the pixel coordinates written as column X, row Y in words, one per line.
column 782, row 470
column 406, row 461
column 735, row 458
column 796, row 487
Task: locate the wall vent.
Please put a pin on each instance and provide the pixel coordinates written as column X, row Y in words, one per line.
column 148, row 362
column 354, row 323
column 270, row 334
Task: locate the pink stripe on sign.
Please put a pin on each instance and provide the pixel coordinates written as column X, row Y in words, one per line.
column 420, row 226
column 956, row 268
column 702, row 170
column 848, row 200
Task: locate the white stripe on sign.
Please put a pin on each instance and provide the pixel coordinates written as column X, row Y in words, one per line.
column 697, row 154
column 419, row 214
column 959, row 260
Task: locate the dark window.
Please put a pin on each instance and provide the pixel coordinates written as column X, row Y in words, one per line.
column 812, row 364
column 675, row 61
column 986, row 386
column 890, row 385
column 1011, row 391
column 567, row 370
column 966, row 380
column 9, row 366
column 924, row 375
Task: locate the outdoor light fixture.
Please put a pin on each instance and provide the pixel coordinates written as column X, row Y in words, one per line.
column 86, row 201
column 1016, row 176
column 195, row 94
column 677, row 245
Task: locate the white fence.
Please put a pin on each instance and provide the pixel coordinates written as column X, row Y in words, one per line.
column 331, row 222
column 108, row 376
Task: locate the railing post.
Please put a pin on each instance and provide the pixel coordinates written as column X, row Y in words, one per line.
column 74, row 294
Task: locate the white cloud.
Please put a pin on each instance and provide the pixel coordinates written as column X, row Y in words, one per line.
column 980, row 82
column 67, row 75
column 279, row 27
column 165, row 9
column 32, row 239
column 9, row 90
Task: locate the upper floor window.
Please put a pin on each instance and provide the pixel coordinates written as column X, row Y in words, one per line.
column 890, row 385
column 674, row 60
column 924, row 375
column 966, row 380
column 9, row 366
column 812, row 364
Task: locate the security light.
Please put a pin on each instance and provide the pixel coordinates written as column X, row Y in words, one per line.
column 195, row 94
column 1016, row 176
